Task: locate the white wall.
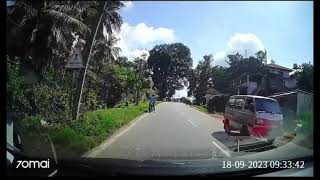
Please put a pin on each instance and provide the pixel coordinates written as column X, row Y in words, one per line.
column 290, row 83
column 251, row 88
column 285, row 74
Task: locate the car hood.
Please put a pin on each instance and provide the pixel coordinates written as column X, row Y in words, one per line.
column 108, row 166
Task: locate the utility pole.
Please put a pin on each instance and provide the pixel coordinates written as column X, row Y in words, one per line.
column 87, row 55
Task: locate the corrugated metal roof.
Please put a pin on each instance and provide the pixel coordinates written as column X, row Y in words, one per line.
column 253, row 96
column 278, row 67
column 290, row 92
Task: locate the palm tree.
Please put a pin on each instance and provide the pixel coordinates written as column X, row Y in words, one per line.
column 111, row 19
column 48, row 26
column 105, row 50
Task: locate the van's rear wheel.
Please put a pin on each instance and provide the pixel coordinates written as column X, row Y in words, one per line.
column 244, row 130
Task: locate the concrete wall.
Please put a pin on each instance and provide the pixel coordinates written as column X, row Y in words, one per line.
column 285, row 74
column 290, row 83
column 252, row 86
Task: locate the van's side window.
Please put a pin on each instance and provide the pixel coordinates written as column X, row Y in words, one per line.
column 231, row 102
column 239, row 103
column 249, row 104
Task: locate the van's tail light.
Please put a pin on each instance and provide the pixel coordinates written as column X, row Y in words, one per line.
column 262, row 129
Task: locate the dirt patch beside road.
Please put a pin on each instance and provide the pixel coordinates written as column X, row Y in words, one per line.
column 219, row 116
column 215, row 115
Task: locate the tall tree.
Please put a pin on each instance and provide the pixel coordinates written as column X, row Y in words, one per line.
column 239, row 65
column 170, row 64
column 219, row 79
column 204, row 69
column 105, row 50
column 305, row 77
column 45, row 29
column 262, row 56
column 142, row 73
column 272, row 61
column 111, row 19
column 193, row 79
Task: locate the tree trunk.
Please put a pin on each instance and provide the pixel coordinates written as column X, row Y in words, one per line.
column 137, row 97
column 86, row 57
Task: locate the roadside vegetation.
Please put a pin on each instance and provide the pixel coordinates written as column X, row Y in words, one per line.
column 77, row 137
column 201, row 108
column 41, row 38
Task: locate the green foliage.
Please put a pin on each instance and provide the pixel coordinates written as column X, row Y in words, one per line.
column 44, row 51
column 90, row 100
column 305, row 77
column 201, row 108
column 170, row 64
column 239, row 64
column 217, row 104
column 272, row 62
column 14, row 86
column 204, row 71
column 52, row 103
column 14, row 80
column 206, row 76
column 30, row 123
column 185, row 100
column 74, row 138
column 261, row 56
column 48, row 98
column 93, row 127
column 306, row 120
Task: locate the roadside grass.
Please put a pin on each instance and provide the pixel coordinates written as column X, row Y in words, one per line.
column 218, row 115
column 204, row 109
column 73, row 138
column 201, row 108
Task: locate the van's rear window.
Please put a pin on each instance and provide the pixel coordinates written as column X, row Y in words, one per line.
column 267, row 105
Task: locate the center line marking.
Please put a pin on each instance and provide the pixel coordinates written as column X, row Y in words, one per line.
column 192, row 123
column 221, row 149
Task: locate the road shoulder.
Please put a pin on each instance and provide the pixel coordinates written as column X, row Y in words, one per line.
column 96, row 150
column 218, row 116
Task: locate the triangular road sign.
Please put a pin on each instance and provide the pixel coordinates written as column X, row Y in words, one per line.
column 75, row 60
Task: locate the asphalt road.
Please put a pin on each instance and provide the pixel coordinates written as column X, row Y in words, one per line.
column 174, row 131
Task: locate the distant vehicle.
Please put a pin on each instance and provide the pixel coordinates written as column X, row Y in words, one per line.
column 253, row 115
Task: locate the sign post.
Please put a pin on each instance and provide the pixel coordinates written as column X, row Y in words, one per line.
column 74, row 63
column 75, row 60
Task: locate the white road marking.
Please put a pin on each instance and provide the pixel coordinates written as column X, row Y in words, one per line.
column 192, row 123
column 221, row 149
column 53, row 173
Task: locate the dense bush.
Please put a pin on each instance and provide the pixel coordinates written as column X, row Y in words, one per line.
column 15, row 97
column 48, row 98
column 306, row 120
column 217, row 104
column 90, row 100
column 93, row 127
column 185, row 100
column 52, row 103
column 75, row 137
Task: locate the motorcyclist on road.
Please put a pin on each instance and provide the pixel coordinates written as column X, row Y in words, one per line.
column 152, row 101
